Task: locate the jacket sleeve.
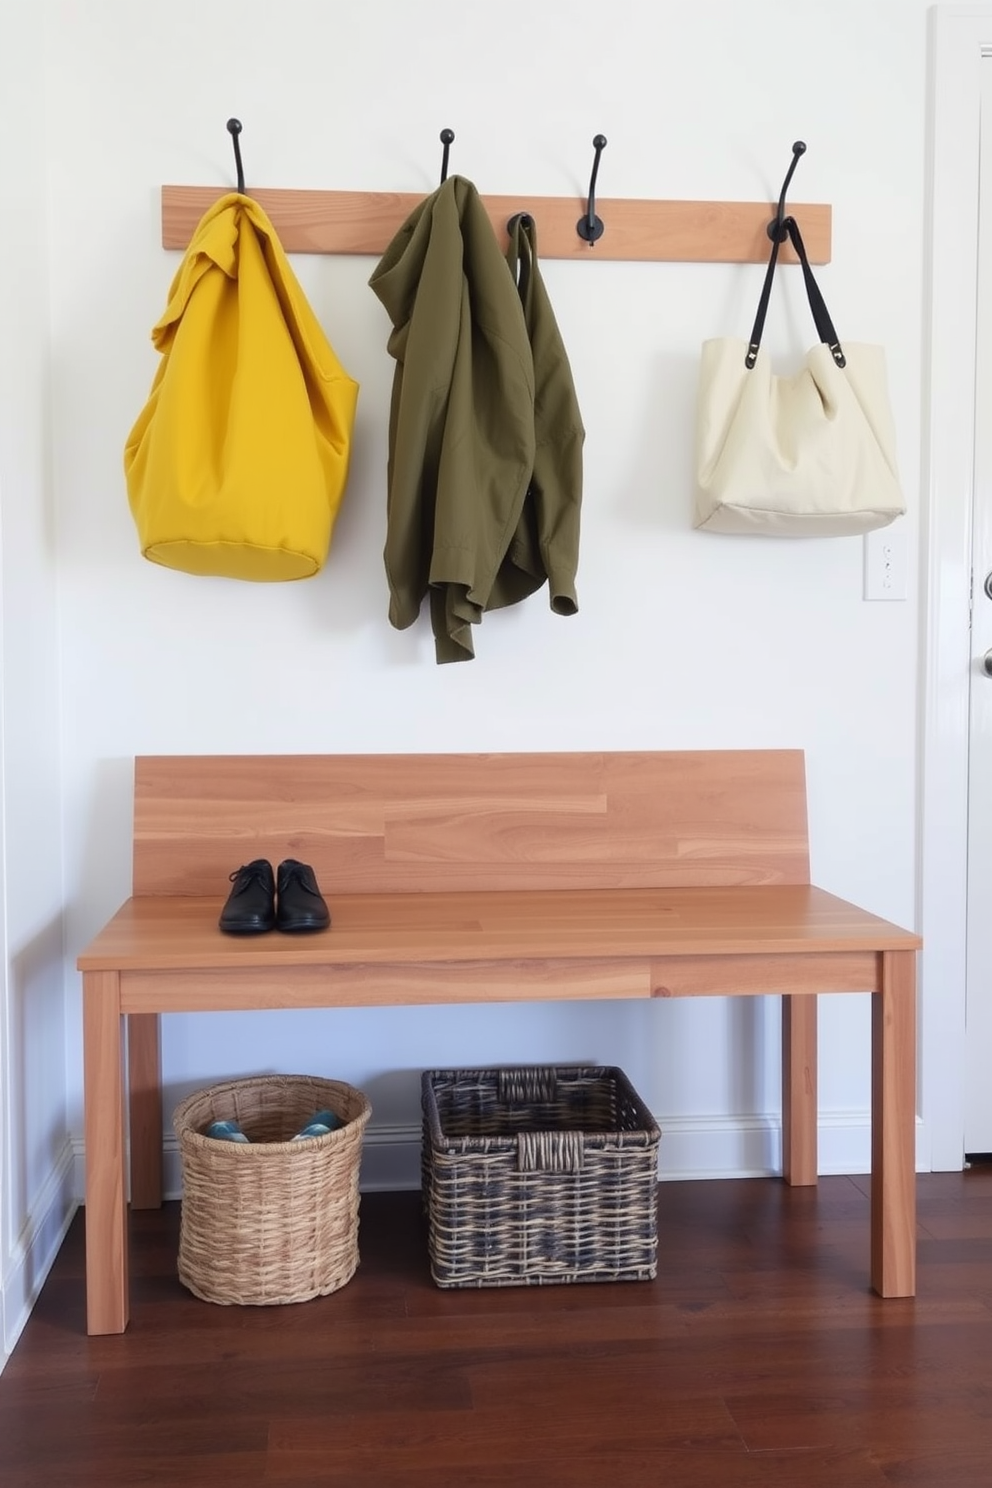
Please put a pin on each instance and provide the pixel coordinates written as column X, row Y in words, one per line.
column 545, row 544
column 417, row 282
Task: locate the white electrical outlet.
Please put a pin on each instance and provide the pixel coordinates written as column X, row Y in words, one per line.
column 885, row 564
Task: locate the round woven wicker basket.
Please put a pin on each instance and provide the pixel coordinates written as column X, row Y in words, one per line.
column 270, row 1220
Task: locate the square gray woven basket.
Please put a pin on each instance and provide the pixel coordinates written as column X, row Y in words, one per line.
column 538, row 1175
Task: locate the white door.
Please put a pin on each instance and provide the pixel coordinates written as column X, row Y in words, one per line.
column 978, row 1039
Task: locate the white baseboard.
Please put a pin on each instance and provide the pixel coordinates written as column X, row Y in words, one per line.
column 390, row 1160
column 696, row 1147
column 751, row 1146
column 36, row 1248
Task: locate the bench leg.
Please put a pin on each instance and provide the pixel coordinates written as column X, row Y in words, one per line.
column 144, row 1067
column 799, row 1090
column 106, row 1209
column 893, row 1128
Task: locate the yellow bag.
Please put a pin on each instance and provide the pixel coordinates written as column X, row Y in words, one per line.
column 238, row 461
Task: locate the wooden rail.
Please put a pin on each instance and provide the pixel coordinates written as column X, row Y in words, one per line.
column 635, row 229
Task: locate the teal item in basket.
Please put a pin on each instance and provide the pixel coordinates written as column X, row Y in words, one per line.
column 226, row 1131
column 320, row 1125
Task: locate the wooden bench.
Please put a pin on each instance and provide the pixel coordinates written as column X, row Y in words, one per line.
column 487, row 878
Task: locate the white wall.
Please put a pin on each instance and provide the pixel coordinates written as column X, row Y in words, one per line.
column 682, row 640
column 35, row 1153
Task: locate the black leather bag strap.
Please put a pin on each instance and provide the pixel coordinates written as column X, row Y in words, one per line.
column 821, row 315
column 754, row 344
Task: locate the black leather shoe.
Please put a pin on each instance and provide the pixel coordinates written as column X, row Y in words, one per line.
column 300, row 905
column 251, row 904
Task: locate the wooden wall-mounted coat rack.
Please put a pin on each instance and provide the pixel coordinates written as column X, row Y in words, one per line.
column 630, row 228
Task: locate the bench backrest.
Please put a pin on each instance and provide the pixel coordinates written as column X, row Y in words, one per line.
column 401, row 823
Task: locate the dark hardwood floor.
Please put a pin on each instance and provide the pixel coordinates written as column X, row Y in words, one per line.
column 758, row 1358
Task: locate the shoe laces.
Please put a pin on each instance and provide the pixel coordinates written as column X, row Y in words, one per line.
column 248, row 874
column 295, row 872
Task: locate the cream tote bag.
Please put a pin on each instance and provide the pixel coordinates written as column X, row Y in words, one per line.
column 811, row 455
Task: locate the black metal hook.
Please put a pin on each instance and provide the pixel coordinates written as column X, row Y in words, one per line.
column 590, row 228
column 234, row 129
column 776, row 229
column 525, row 222
column 447, row 135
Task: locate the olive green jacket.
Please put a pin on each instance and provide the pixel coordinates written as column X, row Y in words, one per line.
column 463, row 521
column 545, row 544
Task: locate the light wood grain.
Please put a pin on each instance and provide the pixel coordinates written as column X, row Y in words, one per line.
column 282, row 985
column 413, row 983
column 635, row 229
column 739, row 973
column 171, row 932
column 106, row 1214
column 144, row 1067
column 490, row 878
column 893, row 1129
column 420, row 823
column 799, row 1103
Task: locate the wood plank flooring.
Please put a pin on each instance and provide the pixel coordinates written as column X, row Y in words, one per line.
column 758, row 1359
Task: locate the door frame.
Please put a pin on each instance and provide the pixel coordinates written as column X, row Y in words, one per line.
column 959, row 37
